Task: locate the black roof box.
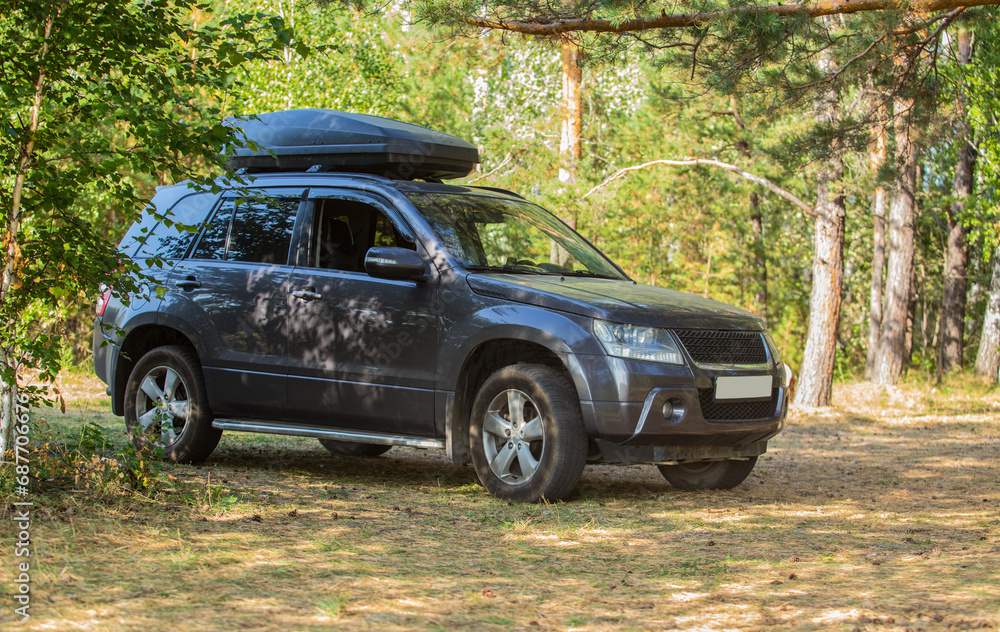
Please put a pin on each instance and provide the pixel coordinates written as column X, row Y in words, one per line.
column 341, row 141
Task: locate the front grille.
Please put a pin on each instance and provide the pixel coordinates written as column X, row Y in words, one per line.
column 757, row 410
column 723, row 347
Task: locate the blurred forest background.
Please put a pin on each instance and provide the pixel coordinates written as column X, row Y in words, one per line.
column 852, row 120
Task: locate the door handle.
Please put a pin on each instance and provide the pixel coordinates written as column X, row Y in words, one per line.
column 188, row 284
column 306, row 295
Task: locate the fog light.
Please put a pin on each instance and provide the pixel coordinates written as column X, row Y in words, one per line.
column 668, row 410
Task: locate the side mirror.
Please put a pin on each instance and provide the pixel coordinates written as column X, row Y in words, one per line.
column 398, row 264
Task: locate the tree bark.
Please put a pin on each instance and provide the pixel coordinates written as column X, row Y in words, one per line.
column 988, row 358
column 878, row 254
column 816, row 375
column 956, row 260
column 570, row 144
column 570, row 131
column 550, row 23
column 759, row 256
column 8, row 410
column 756, row 219
column 890, row 357
column 818, row 359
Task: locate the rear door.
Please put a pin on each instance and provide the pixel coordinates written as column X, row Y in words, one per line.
column 231, row 293
column 363, row 350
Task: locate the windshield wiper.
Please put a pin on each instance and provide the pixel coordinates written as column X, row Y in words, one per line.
column 588, row 273
column 509, row 269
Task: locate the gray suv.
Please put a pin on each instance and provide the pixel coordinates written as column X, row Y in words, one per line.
column 346, row 294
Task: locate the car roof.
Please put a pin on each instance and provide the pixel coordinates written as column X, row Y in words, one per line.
column 362, row 180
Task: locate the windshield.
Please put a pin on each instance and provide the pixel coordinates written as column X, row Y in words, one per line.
column 495, row 234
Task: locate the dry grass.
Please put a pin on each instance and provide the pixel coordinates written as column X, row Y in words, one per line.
column 880, row 514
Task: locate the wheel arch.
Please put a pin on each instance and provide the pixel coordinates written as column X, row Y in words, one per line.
column 481, row 362
column 138, row 343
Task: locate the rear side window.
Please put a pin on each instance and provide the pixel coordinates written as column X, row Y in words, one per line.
column 262, row 230
column 257, row 230
column 169, row 236
column 216, row 235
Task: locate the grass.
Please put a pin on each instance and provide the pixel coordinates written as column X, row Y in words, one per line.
column 882, row 513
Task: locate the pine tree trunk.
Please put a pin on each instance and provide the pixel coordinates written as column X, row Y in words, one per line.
column 759, row 255
column 988, row 358
column 570, row 132
column 756, row 218
column 570, row 145
column 891, row 354
column 956, row 258
column 878, row 256
column 816, row 375
column 911, row 313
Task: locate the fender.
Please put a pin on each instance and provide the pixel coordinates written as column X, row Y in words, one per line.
column 523, row 323
column 190, row 330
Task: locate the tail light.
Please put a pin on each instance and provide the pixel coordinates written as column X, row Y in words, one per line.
column 103, row 299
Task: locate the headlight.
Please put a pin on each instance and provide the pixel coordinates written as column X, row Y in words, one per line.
column 640, row 343
column 775, row 356
column 787, row 377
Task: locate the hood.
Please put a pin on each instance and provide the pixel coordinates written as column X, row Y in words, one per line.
column 616, row 301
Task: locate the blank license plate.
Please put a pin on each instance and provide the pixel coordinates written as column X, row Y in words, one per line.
column 743, row 387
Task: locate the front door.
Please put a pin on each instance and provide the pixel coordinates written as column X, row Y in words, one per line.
column 362, row 350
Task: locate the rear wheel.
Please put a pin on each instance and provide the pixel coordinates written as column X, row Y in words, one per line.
column 348, row 448
column 166, row 406
column 526, row 434
column 693, row 475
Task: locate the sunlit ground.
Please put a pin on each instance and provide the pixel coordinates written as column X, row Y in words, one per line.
column 880, row 514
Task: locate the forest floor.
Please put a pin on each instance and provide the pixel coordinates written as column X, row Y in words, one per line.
column 881, row 513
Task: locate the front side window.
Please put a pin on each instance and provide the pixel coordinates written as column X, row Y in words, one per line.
column 344, row 229
column 495, row 234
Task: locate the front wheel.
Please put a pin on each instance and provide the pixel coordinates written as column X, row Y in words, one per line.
column 693, row 475
column 526, row 434
column 166, row 406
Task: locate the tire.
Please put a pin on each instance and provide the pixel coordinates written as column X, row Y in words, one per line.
column 166, row 406
column 693, row 475
column 348, row 448
column 526, row 434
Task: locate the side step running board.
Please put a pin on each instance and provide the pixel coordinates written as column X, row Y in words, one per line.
column 324, row 432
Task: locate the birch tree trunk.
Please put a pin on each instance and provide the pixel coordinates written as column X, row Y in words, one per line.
column 890, row 357
column 988, row 358
column 12, row 253
column 8, row 407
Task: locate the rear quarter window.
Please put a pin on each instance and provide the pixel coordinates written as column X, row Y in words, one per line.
column 169, row 235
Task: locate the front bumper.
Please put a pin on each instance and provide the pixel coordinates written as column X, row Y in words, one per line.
column 669, row 413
